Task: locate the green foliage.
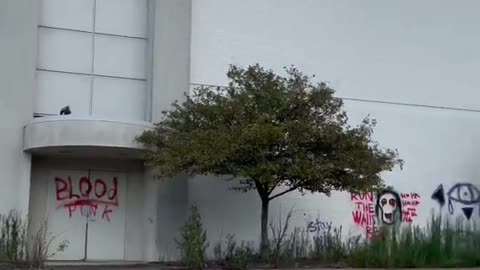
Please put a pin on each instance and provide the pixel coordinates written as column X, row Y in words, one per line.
column 292, row 246
column 328, row 246
column 12, row 237
column 13, row 243
column 193, row 242
column 440, row 244
column 276, row 134
column 297, row 244
column 271, row 131
column 233, row 255
column 300, row 246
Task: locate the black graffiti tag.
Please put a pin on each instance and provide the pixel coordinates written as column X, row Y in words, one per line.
column 465, row 194
column 318, row 226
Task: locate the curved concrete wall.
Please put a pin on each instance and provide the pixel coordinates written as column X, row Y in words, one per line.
column 67, row 131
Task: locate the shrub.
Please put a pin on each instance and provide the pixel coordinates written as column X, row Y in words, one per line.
column 12, row 237
column 193, row 242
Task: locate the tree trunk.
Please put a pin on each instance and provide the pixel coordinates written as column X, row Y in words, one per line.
column 264, row 229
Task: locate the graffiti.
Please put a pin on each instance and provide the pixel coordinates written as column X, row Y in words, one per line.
column 466, row 195
column 318, row 226
column 364, row 212
column 439, row 195
column 410, row 201
column 388, row 207
column 320, row 230
column 86, row 197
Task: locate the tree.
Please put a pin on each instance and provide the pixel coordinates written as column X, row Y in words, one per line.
column 274, row 134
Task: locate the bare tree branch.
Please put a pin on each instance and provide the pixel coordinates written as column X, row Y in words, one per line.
column 285, row 192
column 279, row 179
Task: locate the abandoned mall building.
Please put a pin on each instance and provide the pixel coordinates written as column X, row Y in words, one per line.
column 80, row 79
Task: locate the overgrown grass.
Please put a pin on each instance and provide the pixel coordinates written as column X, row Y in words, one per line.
column 12, row 238
column 14, row 252
column 441, row 244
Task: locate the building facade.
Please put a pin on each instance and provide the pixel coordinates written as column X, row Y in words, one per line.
column 117, row 64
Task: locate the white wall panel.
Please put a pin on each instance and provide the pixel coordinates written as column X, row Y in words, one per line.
column 130, row 206
column 119, row 56
column 18, row 44
column 77, row 52
column 106, row 229
column 134, row 224
column 119, row 98
column 438, row 146
column 71, row 14
column 122, row 17
column 56, row 90
column 64, row 50
column 66, row 222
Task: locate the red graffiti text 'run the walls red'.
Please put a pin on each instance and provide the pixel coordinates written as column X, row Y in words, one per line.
column 364, row 212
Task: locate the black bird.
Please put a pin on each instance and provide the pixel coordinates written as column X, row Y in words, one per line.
column 65, row 110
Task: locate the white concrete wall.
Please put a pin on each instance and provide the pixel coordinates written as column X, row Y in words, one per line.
column 172, row 206
column 165, row 206
column 134, row 222
column 439, row 147
column 18, row 21
column 419, row 52
column 171, row 53
column 166, row 201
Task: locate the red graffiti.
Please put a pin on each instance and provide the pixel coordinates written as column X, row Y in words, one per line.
column 364, row 215
column 368, row 196
column 87, row 196
column 410, row 195
column 364, row 212
column 410, row 201
column 106, row 213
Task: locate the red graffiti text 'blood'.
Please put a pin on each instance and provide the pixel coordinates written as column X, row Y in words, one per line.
column 87, row 195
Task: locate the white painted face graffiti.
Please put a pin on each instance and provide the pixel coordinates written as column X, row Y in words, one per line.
column 389, row 206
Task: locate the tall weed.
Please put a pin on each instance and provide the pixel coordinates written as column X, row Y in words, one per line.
column 193, row 242
column 442, row 243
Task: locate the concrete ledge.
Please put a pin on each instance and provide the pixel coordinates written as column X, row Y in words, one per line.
column 64, row 132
